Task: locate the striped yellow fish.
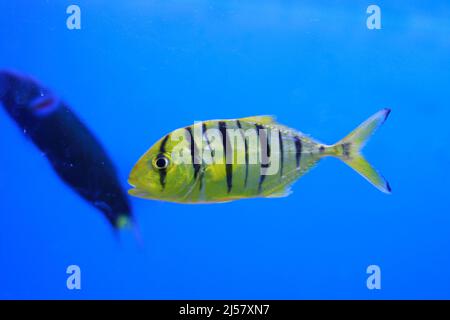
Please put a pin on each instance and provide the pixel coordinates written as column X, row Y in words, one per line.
column 225, row 160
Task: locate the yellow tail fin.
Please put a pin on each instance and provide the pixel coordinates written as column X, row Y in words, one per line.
column 349, row 150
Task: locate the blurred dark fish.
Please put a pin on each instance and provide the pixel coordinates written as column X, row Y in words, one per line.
column 73, row 151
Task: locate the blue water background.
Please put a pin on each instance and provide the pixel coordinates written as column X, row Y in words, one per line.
column 139, row 69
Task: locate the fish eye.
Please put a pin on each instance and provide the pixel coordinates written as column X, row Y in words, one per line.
column 161, row 162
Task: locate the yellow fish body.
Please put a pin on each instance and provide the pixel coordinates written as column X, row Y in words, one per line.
column 224, row 160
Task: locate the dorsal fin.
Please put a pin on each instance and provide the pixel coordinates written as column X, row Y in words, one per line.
column 271, row 122
column 260, row 119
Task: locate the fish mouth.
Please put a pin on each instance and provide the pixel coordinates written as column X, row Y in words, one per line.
column 140, row 193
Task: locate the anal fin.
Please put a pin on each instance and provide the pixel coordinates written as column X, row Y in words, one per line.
column 280, row 193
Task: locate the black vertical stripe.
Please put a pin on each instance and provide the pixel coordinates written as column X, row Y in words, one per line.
column 261, row 181
column 202, row 176
column 265, row 152
column 163, row 172
column 280, row 140
column 264, row 149
column 262, row 136
column 194, row 153
column 258, row 127
column 227, row 149
column 246, row 152
column 298, row 151
column 162, row 147
column 204, row 129
column 202, row 173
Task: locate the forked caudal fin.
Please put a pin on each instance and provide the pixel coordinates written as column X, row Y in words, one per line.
column 349, row 150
